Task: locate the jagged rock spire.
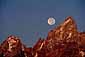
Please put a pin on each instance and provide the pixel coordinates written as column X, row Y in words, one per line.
column 66, row 29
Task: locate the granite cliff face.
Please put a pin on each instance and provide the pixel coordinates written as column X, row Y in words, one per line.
column 62, row 41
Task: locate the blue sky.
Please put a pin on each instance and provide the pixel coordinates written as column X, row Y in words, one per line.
column 28, row 18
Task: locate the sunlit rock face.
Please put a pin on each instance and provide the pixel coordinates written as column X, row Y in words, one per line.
column 62, row 41
column 66, row 30
column 11, row 47
column 62, row 38
column 12, row 43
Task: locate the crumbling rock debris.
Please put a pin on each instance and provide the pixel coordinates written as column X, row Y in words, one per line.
column 63, row 41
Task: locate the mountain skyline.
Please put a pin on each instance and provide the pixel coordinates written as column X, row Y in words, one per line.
column 63, row 41
column 28, row 18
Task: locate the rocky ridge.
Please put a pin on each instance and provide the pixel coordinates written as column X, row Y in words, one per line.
column 63, row 41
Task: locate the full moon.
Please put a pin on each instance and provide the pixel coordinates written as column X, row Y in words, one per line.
column 51, row 21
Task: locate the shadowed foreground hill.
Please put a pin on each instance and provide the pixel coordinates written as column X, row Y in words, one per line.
column 62, row 41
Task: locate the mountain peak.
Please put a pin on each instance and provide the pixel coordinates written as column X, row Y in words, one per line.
column 63, row 41
column 11, row 46
column 68, row 27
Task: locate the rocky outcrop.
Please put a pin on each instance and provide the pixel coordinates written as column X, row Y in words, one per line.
column 12, row 47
